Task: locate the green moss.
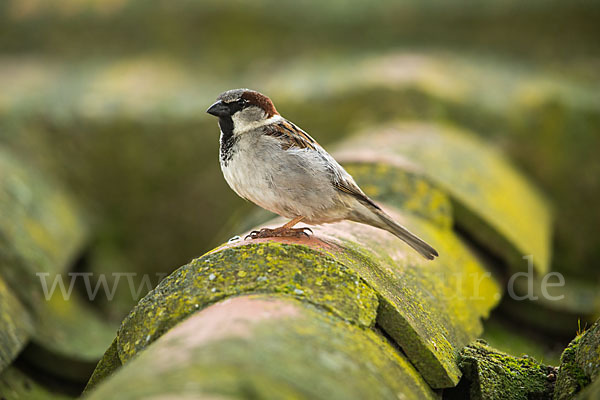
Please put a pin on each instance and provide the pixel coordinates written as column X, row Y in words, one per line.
column 431, row 309
column 109, row 363
column 280, row 348
column 15, row 326
column 571, row 378
column 270, row 267
column 41, row 232
column 405, row 190
column 41, row 228
column 579, row 364
column 588, row 352
column 492, row 375
column 73, row 329
column 478, row 180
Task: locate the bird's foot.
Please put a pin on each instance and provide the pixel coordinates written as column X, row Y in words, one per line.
column 279, row 232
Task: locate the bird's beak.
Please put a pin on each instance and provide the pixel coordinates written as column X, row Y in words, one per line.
column 219, row 109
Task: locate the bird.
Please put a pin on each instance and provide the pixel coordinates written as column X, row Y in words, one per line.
column 271, row 162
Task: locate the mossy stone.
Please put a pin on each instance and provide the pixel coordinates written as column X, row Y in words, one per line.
column 580, row 364
column 482, row 185
column 267, row 346
column 403, row 188
column 109, row 363
column 493, row 375
column 432, row 309
column 41, row 229
column 588, row 352
column 297, row 271
column 15, row 326
column 571, row 378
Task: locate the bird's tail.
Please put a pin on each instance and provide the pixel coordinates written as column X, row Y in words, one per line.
column 387, row 223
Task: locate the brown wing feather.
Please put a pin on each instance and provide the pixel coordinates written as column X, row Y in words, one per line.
column 354, row 191
column 291, row 136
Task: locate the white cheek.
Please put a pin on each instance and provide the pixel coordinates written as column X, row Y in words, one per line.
column 241, row 124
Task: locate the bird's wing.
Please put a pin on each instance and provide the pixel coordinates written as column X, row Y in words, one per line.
column 291, row 136
column 353, row 190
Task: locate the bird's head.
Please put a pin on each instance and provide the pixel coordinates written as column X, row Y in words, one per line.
column 242, row 109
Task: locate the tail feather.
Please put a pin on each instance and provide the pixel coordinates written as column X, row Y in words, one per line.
column 387, row 223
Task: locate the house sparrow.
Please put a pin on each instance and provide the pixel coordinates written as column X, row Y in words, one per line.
column 270, row 161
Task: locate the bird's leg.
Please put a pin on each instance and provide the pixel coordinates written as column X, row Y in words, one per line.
column 286, row 230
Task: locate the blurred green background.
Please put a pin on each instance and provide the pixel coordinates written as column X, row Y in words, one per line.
column 108, row 97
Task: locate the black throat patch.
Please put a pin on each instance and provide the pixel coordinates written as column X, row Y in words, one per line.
column 227, row 139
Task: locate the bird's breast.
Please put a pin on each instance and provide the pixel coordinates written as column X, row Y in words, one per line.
column 240, row 163
column 287, row 182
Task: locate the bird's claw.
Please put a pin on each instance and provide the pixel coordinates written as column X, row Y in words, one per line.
column 252, row 235
column 268, row 233
column 306, row 229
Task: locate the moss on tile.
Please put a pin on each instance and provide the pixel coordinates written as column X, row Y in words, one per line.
column 281, row 348
column 109, row 363
column 493, row 375
column 580, row 364
column 41, row 228
column 403, row 189
column 571, row 378
column 15, row 326
column 431, row 309
column 270, row 267
column 482, row 185
column 41, row 232
column 588, row 353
